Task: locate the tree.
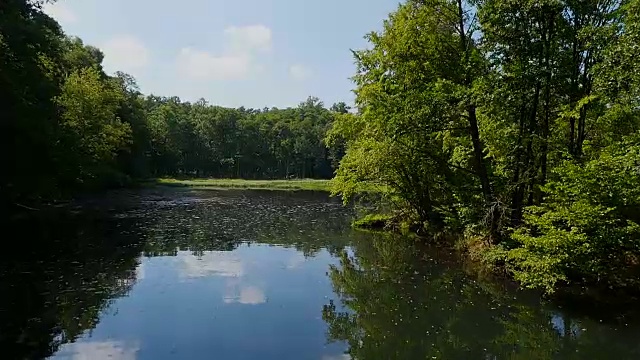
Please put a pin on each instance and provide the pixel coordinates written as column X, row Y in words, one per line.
column 487, row 116
column 586, row 230
column 340, row 108
column 419, row 131
column 92, row 134
column 30, row 55
column 136, row 161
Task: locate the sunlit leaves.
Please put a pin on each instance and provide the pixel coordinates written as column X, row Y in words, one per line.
column 586, row 230
column 90, row 125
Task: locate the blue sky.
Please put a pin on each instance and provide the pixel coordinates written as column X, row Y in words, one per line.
column 252, row 53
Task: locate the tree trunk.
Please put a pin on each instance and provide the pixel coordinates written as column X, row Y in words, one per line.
column 528, row 161
column 478, row 150
column 573, row 96
column 478, row 153
column 547, row 111
column 516, row 197
column 533, row 130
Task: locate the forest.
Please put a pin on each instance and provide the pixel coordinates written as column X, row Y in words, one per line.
column 68, row 126
column 513, row 124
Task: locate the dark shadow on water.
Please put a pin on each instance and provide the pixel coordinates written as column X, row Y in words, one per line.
column 57, row 274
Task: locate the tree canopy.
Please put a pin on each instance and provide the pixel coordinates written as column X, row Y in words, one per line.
column 67, row 126
column 513, row 121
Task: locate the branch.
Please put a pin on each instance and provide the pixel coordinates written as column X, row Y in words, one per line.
column 26, row 207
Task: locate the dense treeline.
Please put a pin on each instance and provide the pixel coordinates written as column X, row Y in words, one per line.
column 515, row 121
column 202, row 140
column 68, row 126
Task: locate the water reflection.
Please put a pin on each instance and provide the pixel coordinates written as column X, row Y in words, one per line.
column 210, row 264
column 246, row 275
column 396, row 302
column 55, row 281
column 173, row 275
column 199, row 222
column 247, row 295
column 101, row 350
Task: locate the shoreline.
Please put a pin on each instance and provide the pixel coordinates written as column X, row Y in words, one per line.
column 241, row 184
column 474, row 252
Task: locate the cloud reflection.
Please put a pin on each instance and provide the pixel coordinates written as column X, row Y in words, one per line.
column 226, row 265
column 337, row 357
column 210, row 264
column 105, row 350
column 140, row 273
column 296, row 260
column 249, row 295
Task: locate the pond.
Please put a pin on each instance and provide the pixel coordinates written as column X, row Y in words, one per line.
column 185, row 274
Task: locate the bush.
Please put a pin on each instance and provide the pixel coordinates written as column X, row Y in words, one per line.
column 586, row 231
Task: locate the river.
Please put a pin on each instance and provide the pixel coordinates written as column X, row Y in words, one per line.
column 186, row 274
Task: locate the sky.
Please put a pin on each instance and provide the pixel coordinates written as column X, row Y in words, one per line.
column 252, row 53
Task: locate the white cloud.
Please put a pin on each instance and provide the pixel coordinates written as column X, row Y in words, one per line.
column 125, row 53
column 201, row 65
column 60, row 12
column 295, row 261
column 140, row 273
column 237, row 62
column 337, row 357
column 299, row 72
column 248, row 38
column 105, row 350
column 210, row 264
column 249, row 295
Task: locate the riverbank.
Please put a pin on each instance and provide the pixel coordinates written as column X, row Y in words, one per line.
column 486, row 259
column 214, row 184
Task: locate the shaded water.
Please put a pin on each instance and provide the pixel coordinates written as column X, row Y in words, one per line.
column 184, row 274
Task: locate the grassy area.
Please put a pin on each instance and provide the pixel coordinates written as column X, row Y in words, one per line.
column 290, row 185
column 373, row 221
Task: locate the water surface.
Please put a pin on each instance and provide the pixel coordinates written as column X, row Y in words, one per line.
column 179, row 274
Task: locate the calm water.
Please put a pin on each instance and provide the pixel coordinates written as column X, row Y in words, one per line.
column 258, row 275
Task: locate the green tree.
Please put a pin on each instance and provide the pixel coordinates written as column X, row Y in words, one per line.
column 489, row 116
column 419, row 129
column 30, row 54
column 586, row 230
column 92, row 133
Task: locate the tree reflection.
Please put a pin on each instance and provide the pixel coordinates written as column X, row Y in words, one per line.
column 221, row 221
column 58, row 277
column 396, row 303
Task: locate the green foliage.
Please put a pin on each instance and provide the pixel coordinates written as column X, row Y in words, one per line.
column 29, row 54
column 69, row 127
column 373, row 221
column 412, row 94
column 587, row 229
column 89, row 125
column 203, row 140
column 515, row 120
